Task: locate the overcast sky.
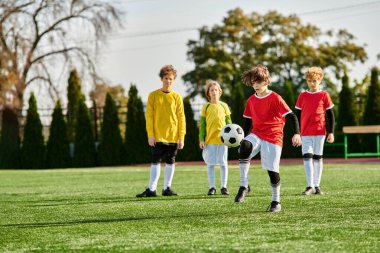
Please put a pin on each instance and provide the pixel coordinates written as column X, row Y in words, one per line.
column 136, row 54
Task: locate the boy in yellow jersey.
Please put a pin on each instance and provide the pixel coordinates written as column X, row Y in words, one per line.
column 166, row 128
column 214, row 116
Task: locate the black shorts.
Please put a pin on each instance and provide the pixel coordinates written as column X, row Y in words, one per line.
column 168, row 151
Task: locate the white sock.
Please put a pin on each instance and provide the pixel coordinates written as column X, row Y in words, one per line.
column 155, row 170
column 244, row 168
column 275, row 188
column 224, row 175
column 211, row 175
column 309, row 168
column 169, row 173
column 318, row 168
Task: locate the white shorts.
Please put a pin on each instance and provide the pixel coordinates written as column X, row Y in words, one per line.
column 313, row 144
column 214, row 154
column 270, row 153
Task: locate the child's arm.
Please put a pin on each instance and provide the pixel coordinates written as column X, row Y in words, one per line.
column 228, row 119
column 330, row 126
column 296, row 137
column 202, row 132
column 247, row 125
column 298, row 114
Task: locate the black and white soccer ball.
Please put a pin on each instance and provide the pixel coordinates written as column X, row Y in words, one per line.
column 231, row 135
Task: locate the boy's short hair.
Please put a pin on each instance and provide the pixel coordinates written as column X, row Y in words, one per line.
column 168, row 69
column 210, row 83
column 314, row 73
column 257, row 74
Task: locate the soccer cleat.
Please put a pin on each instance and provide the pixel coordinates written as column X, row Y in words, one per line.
column 249, row 189
column 308, row 191
column 318, row 191
column 147, row 193
column 168, row 192
column 224, row 191
column 212, row 191
column 274, row 207
column 241, row 194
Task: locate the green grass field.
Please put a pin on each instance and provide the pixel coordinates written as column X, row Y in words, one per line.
column 92, row 210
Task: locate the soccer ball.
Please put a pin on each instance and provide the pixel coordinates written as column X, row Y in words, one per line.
column 231, row 135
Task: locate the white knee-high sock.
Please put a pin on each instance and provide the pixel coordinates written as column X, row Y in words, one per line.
column 275, row 188
column 224, row 175
column 211, row 175
column 244, row 169
column 309, row 168
column 155, row 170
column 169, row 173
column 318, row 168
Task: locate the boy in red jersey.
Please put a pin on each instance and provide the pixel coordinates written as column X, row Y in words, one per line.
column 311, row 108
column 166, row 128
column 265, row 112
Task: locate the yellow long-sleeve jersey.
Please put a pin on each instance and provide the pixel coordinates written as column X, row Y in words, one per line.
column 165, row 117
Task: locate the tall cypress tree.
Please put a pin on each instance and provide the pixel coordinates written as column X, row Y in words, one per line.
column 136, row 138
column 84, row 145
column 10, row 140
column 372, row 110
column 74, row 94
column 111, row 143
column 33, row 146
column 57, row 148
column 346, row 114
column 191, row 151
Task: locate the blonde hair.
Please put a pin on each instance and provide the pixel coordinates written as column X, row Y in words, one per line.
column 168, row 69
column 257, row 74
column 210, row 83
column 314, row 73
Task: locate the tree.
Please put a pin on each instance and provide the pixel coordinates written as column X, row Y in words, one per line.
column 372, row 110
column 37, row 38
column 111, row 143
column 33, row 144
column 84, row 146
column 191, row 151
column 74, row 94
column 57, row 147
column 10, row 140
column 136, row 138
column 224, row 51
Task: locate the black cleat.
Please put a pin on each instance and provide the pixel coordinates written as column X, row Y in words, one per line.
column 249, row 189
column 308, row 191
column 224, row 191
column 212, row 191
column 318, row 191
column 168, row 192
column 147, row 193
column 274, row 207
column 241, row 194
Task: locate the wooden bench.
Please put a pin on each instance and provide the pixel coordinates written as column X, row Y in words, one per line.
column 373, row 129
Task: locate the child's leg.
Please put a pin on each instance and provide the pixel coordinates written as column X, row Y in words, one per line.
column 275, row 185
column 211, row 175
column 170, row 166
column 155, row 170
column 318, row 160
column 224, row 175
column 245, row 151
column 307, row 153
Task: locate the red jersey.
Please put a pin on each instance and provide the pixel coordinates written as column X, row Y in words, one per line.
column 313, row 106
column 268, row 116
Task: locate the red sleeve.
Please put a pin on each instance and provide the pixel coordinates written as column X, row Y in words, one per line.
column 247, row 111
column 299, row 102
column 283, row 108
column 327, row 103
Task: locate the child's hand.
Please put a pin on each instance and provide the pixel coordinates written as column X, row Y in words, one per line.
column 181, row 144
column 202, row 144
column 152, row 141
column 330, row 138
column 296, row 140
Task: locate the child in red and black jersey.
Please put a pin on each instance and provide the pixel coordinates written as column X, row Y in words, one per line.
column 311, row 108
column 265, row 112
